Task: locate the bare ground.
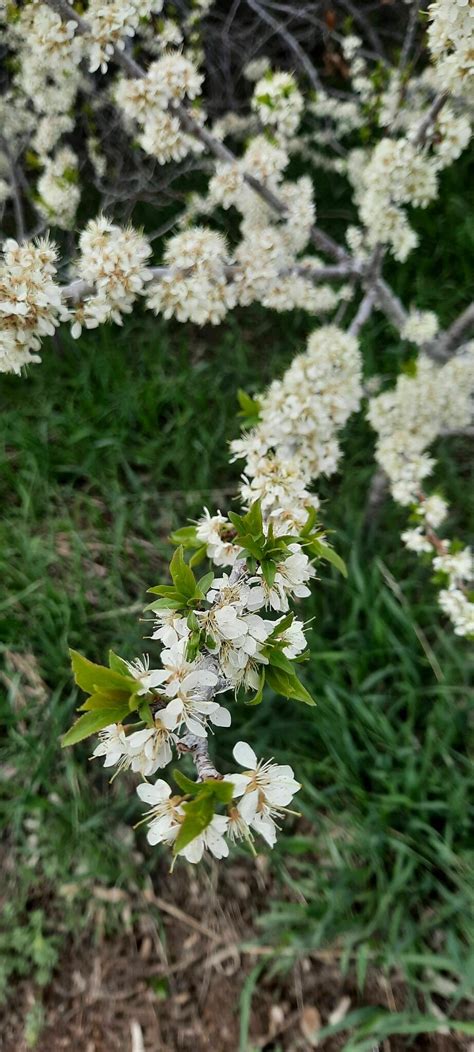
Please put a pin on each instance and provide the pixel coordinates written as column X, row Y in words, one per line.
column 172, row 979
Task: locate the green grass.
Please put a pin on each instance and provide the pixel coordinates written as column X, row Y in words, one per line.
column 108, row 445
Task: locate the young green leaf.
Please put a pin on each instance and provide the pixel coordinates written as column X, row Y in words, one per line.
column 91, row 722
column 92, row 678
column 186, row 536
column 199, row 813
column 290, row 686
column 185, row 783
column 182, row 575
column 117, row 664
column 198, row 556
column 110, row 701
column 327, row 553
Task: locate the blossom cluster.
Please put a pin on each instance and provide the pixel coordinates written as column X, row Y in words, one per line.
column 149, row 102
column 30, row 301
column 295, row 439
column 259, row 800
column 407, row 420
column 410, row 416
column 112, row 262
column 226, row 634
column 451, row 42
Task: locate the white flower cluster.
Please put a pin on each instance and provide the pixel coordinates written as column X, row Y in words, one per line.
column 262, row 794
column 183, row 691
column 30, row 301
column 460, row 610
column 295, row 439
column 420, row 326
column 196, row 289
column 58, row 190
column 408, row 418
column 278, row 103
column 113, row 262
column 40, row 105
column 49, row 51
column 451, row 42
column 149, row 101
column 111, row 24
column 457, row 567
column 397, row 173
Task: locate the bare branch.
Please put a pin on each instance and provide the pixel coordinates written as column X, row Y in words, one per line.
column 448, row 342
column 430, row 117
column 390, row 304
column 198, row 747
column 409, row 36
column 289, row 39
column 366, row 307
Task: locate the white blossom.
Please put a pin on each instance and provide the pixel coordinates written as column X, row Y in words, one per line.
column 264, row 789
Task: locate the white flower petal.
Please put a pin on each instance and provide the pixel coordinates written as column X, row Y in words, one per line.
column 264, row 825
column 154, row 794
column 240, row 783
column 248, row 805
column 245, row 755
column 221, row 717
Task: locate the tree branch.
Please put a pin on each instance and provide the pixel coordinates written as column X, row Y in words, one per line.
column 366, row 307
column 441, row 348
column 198, row 748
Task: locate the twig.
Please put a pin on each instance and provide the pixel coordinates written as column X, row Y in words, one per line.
column 391, row 304
column 184, row 918
column 409, row 36
column 430, row 117
column 441, row 348
column 366, row 307
column 198, row 747
column 289, row 39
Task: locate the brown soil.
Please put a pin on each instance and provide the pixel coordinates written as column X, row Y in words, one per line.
column 172, row 980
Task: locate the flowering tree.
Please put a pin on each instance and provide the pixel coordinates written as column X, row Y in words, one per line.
column 123, row 82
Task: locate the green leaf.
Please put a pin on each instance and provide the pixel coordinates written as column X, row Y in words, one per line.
column 221, row 791
column 92, row 678
column 185, row 783
column 257, row 697
column 280, row 660
column 181, row 574
column 117, row 664
column 164, row 604
column 269, row 571
column 198, row 556
column 327, row 553
column 204, row 583
column 192, row 647
column 186, row 536
column 99, row 701
column 145, row 712
column 199, row 813
column 251, row 523
column 249, row 407
column 91, row 722
column 310, row 521
column 281, row 627
column 290, row 686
